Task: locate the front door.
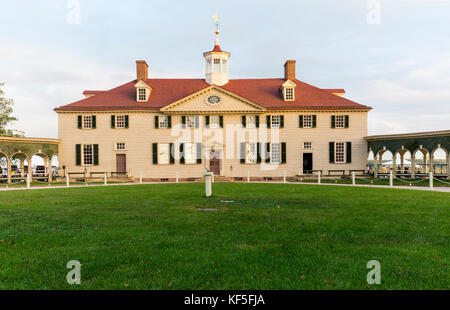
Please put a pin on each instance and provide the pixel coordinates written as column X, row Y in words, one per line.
column 214, row 162
column 307, row 162
column 121, row 163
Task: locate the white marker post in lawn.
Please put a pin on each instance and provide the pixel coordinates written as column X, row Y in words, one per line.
column 105, row 180
column 353, row 178
column 431, row 180
column 67, row 180
column 208, row 184
column 391, row 179
column 28, row 180
column 319, row 174
column 140, row 177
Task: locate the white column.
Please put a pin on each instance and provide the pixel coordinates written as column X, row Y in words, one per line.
column 9, row 170
column 402, row 162
column 413, row 165
column 391, row 179
column 431, row 180
column 448, row 166
column 353, row 178
column 28, row 181
column 375, row 166
column 208, row 184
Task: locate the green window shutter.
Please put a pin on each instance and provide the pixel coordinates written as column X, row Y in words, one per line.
column 258, row 153
column 300, row 121
column 156, row 121
column 126, row 121
column 196, row 122
column 183, row 121
column 281, row 121
column 257, row 121
column 181, row 153
column 267, row 153
column 221, row 121
column 113, row 121
column 242, row 152
column 283, row 152
column 95, row 154
column 347, row 121
column 349, row 152
column 155, row 153
column 94, row 121
column 207, row 121
column 172, row 152
column 169, row 121
column 78, row 154
column 244, row 121
column 268, row 121
column 199, row 153
column 314, row 121
column 80, row 122
column 333, row 121
column 331, row 152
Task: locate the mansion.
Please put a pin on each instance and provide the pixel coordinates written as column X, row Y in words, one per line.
column 162, row 129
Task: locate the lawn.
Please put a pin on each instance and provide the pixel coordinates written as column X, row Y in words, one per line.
column 262, row 236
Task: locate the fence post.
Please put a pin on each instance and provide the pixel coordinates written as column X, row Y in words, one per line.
column 28, row 181
column 319, row 175
column 140, row 177
column 431, row 180
column 391, row 179
column 67, row 180
column 353, row 178
column 284, row 176
column 105, row 179
column 248, row 176
column 177, row 177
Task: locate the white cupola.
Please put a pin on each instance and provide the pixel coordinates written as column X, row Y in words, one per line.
column 216, row 64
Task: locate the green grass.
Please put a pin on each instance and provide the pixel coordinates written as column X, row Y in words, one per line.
column 273, row 236
column 380, row 181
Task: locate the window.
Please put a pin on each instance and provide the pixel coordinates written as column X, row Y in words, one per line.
column 216, row 65
column 307, row 121
column 224, row 65
column 120, row 121
column 87, row 121
column 339, row 155
column 142, row 94
column 208, row 66
column 88, row 155
column 289, row 93
column 163, row 122
column 340, row 121
column 307, row 145
column 190, row 121
column 120, row 146
column 214, row 121
column 163, row 153
column 276, row 153
column 251, row 121
column 275, row 121
column 190, row 153
column 250, row 153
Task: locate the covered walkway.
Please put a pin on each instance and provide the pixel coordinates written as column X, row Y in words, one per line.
column 16, row 158
column 421, row 147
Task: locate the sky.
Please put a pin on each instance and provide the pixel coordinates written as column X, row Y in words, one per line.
column 392, row 55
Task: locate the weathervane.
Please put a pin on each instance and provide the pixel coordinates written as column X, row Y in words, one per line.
column 216, row 18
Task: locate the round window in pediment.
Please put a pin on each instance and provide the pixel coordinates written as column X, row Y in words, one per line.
column 214, row 99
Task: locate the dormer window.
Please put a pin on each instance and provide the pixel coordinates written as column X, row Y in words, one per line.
column 289, row 94
column 142, row 94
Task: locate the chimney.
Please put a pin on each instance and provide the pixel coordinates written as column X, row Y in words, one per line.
column 289, row 70
column 142, row 70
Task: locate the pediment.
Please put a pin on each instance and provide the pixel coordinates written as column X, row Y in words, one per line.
column 213, row 99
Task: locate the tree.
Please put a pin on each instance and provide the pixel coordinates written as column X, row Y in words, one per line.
column 6, row 108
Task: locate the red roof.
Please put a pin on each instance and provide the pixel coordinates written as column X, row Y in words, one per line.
column 263, row 92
